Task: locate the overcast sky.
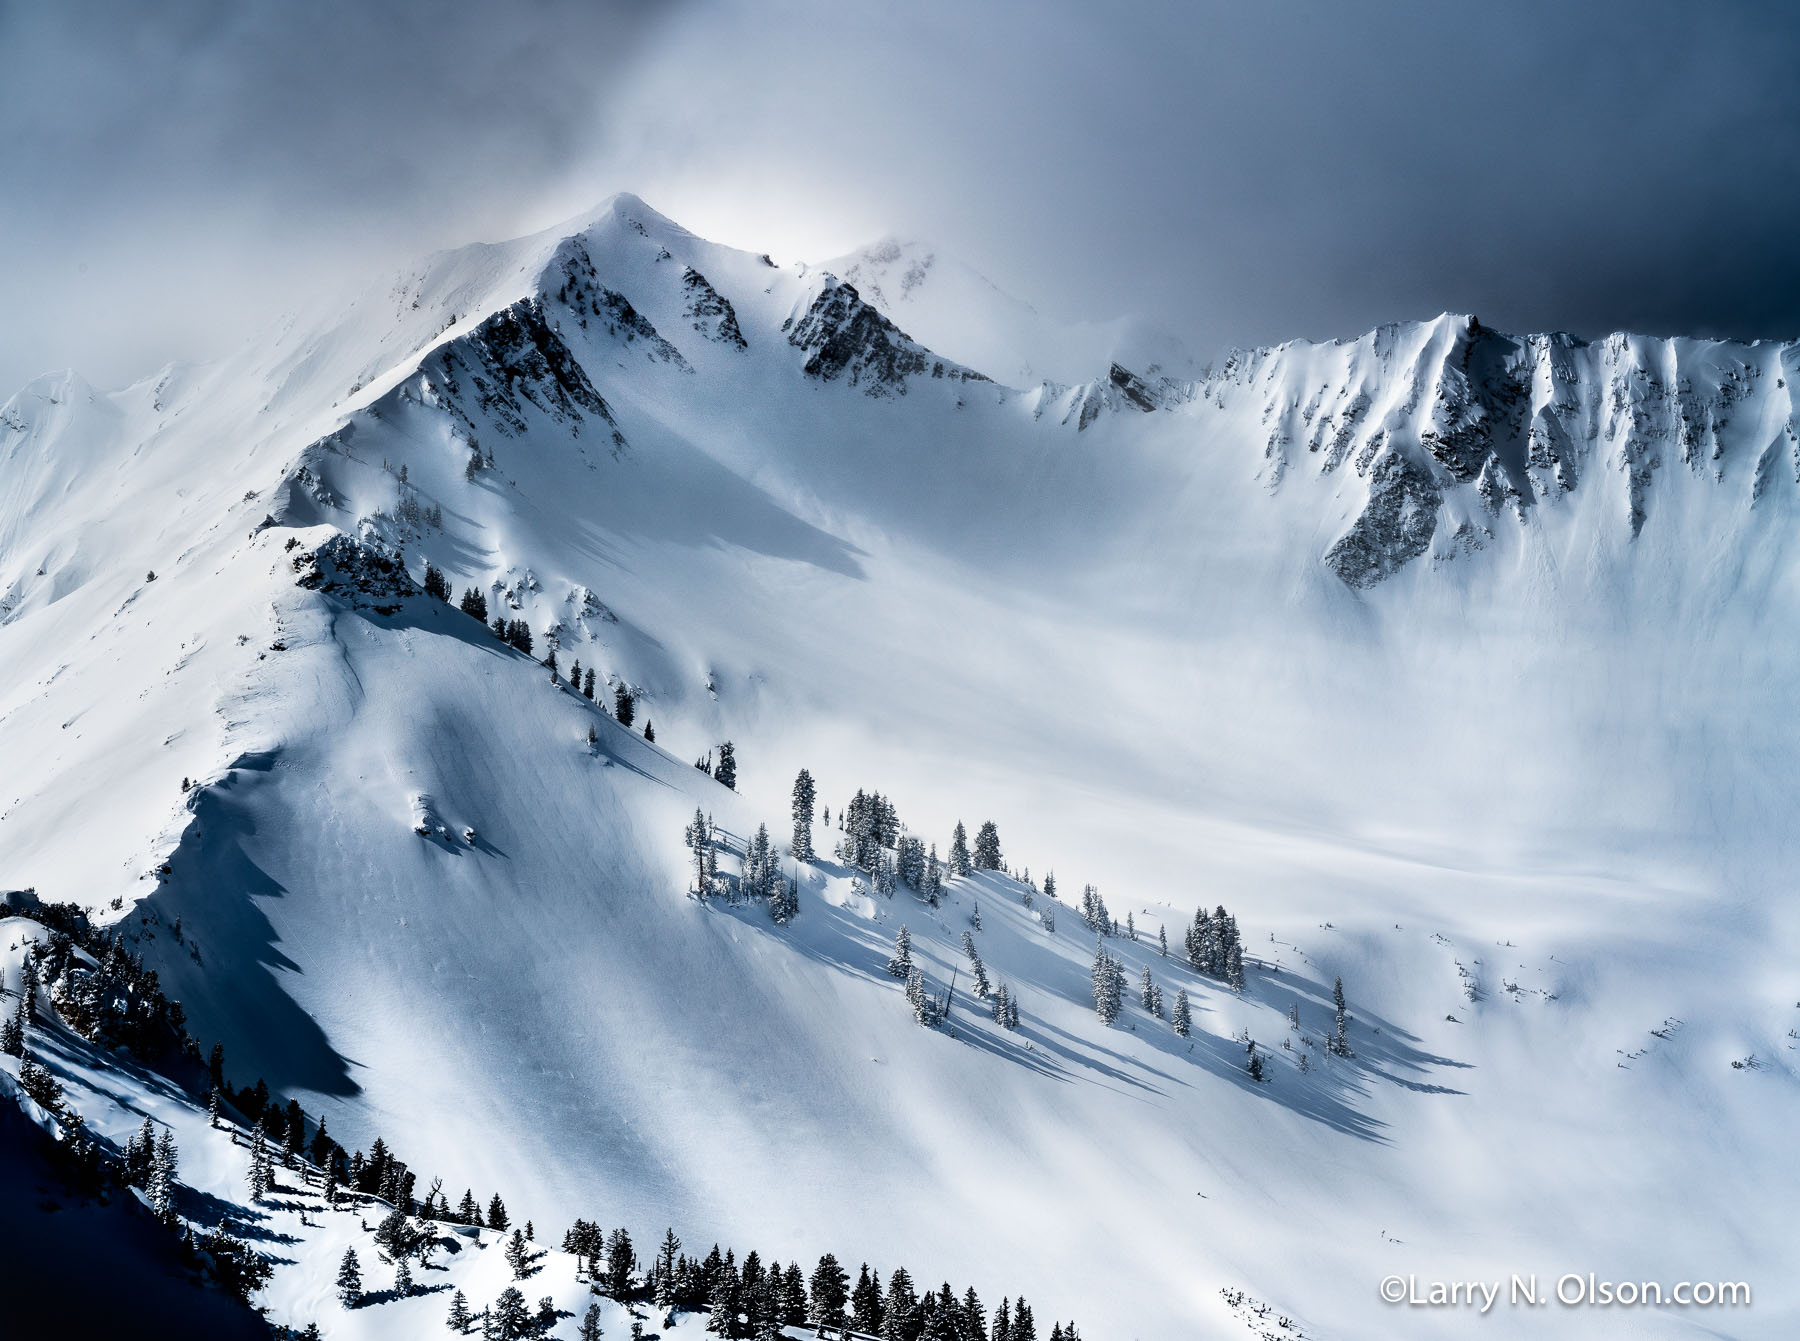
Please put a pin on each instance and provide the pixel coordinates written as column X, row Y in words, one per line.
column 174, row 176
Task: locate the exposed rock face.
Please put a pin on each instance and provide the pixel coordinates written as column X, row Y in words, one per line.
column 360, row 575
column 845, row 338
column 1450, row 420
column 514, row 359
column 586, row 298
column 1396, row 525
column 710, row 311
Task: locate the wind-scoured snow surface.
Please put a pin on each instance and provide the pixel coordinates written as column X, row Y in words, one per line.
column 1451, row 662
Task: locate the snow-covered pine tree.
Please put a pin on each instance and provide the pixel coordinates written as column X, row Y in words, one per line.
column 140, row 1154
column 827, row 1292
column 403, row 1281
column 865, row 1301
column 909, row 861
column 1182, row 1020
column 959, row 851
column 1130, row 926
column 460, row 1317
column 1255, row 1064
column 518, row 1256
column 1147, row 991
column 698, row 836
column 1340, row 1043
column 1105, row 977
column 1049, row 886
column 976, row 968
column 1162, row 941
column 162, row 1178
column 12, row 1033
column 1234, row 968
column 591, row 1330
column 509, row 1319
column 987, row 847
column 262, row 1176
column 349, row 1279
column 725, row 773
column 1048, row 917
column 805, row 793
column 759, row 865
column 900, row 966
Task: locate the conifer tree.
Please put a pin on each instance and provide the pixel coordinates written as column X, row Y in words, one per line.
column 976, row 968
column 901, row 1304
column 900, row 966
column 591, row 1330
column 725, row 773
column 699, row 841
column 349, row 1279
column 460, row 1317
column 1182, row 1021
column 587, row 685
column 804, row 796
column 1147, row 991
column 474, row 604
column 624, row 704
column 665, row 1270
column 959, row 851
column 1255, row 1063
column 509, row 1320
column 827, row 1290
column 162, row 1178
column 1024, row 1328
column 403, row 1281
column 261, row 1174
column 1050, row 885
column 987, row 847
column 865, row 1302
column 1108, row 984
column 518, row 1256
column 1340, row 1043
column 1162, row 941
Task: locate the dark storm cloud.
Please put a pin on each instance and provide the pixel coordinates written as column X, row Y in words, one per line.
column 1242, row 172
column 172, row 173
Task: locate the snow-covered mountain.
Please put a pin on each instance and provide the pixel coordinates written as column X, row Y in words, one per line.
column 1449, row 661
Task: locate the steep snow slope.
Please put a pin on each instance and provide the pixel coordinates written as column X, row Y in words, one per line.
column 1442, row 658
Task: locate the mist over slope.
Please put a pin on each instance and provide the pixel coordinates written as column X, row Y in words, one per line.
column 1449, row 661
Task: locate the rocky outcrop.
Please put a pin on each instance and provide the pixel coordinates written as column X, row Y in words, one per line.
column 844, row 338
column 513, row 360
column 709, row 311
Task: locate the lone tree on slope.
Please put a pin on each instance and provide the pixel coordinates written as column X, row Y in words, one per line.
column 804, row 796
